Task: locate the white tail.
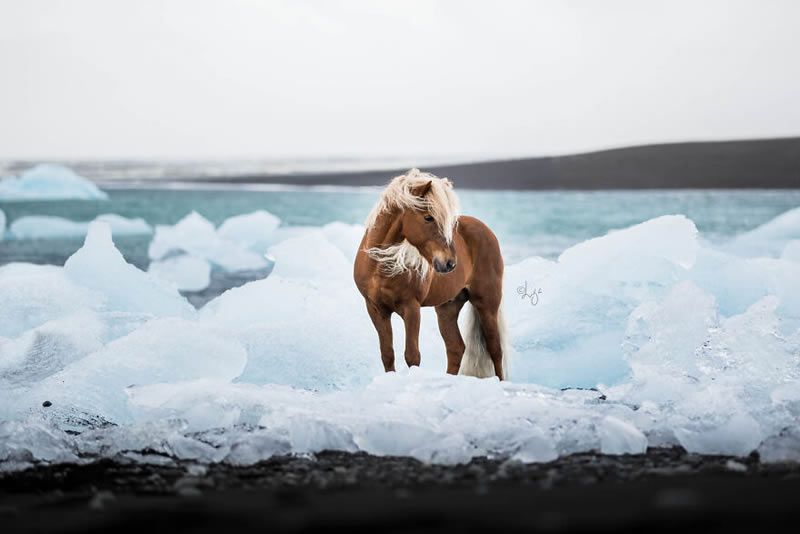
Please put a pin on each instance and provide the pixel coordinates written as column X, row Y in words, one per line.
column 476, row 360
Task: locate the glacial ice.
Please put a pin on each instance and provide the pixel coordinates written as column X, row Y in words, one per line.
column 194, row 234
column 46, row 227
column 32, row 295
column 49, row 182
column 686, row 345
column 570, row 334
column 769, row 238
column 252, row 231
column 98, row 265
column 187, row 271
column 346, row 237
column 791, row 251
column 310, row 255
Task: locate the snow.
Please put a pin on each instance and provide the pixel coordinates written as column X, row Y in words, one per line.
column 687, row 345
column 196, row 235
column 187, row 271
column 48, row 227
column 48, row 182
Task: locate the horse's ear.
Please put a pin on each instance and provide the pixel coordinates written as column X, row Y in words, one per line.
column 422, row 190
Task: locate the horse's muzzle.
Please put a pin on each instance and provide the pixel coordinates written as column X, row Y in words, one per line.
column 444, row 267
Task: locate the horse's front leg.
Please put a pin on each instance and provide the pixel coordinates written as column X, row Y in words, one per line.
column 382, row 319
column 410, row 314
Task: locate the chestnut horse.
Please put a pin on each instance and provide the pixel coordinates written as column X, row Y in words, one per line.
column 417, row 251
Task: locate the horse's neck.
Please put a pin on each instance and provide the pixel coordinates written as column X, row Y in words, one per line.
column 386, row 231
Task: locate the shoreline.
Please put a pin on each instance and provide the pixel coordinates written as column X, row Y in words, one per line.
column 663, row 488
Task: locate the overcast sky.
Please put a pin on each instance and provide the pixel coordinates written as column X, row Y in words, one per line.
column 225, row 79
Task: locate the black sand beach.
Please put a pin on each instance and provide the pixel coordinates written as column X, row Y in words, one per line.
column 664, row 489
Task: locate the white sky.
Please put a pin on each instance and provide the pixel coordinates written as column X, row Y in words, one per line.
column 235, row 78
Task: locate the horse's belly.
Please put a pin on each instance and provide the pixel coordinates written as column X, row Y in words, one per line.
column 444, row 287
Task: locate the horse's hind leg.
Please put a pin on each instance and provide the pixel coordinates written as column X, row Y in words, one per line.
column 488, row 313
column 382, row 320
column 447, row 315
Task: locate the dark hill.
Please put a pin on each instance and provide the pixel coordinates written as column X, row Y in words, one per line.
column 768, row 163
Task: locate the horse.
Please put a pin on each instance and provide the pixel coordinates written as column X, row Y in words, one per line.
column 418, row 251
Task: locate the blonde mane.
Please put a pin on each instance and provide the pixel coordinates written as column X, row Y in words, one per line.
column 440, row 202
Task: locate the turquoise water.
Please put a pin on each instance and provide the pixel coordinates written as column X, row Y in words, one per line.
column 526, row 223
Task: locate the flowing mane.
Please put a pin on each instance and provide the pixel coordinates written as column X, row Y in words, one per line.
column 441, row 201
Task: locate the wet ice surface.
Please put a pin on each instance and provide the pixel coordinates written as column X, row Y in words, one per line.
column 686, row 344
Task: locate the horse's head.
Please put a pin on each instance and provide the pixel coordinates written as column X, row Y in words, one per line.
column 418, row 214
column 426, row 227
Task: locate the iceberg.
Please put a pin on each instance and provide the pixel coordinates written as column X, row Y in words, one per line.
column 791, row 251
column 253, row 231
column 48, row 227
column 49, row 182
column 768, row 239
column 98, row 265
column 345, row 237
column 33, row 295
column 196, row 235
column 569, row 335
column 188, row 272
column 680, row 349
column 310, row 255
column 167, row 349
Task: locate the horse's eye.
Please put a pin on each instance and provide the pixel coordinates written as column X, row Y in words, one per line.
column 428, row 218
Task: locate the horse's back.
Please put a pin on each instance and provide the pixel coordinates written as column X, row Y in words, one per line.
column 486, row 278
column 483, row 244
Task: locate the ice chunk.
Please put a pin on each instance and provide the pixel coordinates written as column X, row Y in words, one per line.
column 310, row 256
column 194, row 234
column 49, row 182
column 568, row 318
column 689, row 346
column 162, row 350
column 252, row 231
column 187, row 271
column 619, row 437
column 98, row 265
column 305, row 333
column 738, row 436
column 21, row 442
column 44, row 226
column 791, row 251
column 783, row 447
column 346, row 237
column 430, row 416
column 32, row 295
column 664, row 337
column 47, row 349
column 770, row 238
